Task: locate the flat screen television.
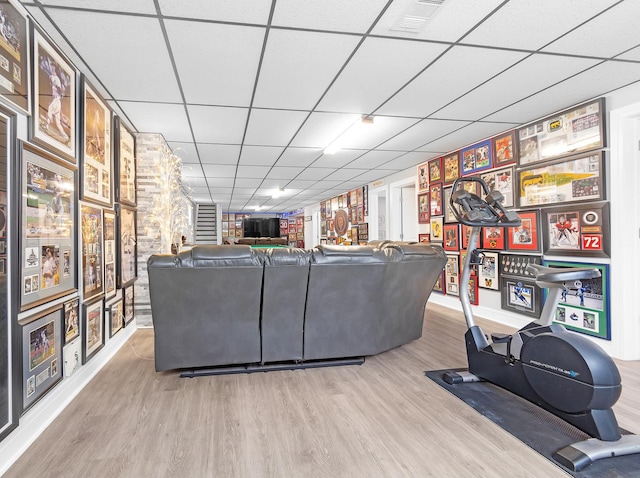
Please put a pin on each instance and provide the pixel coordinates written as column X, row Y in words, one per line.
column 261, row 227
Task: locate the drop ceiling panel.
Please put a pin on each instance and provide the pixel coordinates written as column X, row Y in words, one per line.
column 219, row 153
column 299, row 157
column 315, row 174
column 192, row 171
column 260, row 155
column 186, row 151
column 220, row 184
column 341, row 159
column 248, row 182
column 212, row 124
column 298, row 67
column 408, row 160
column 531, row 75
column 219, row 171
column 333, row 15
column 633, row 54
column 346, row 174
column 473, row 133
column 321, row 129
column 151, row 118
column 365, row 83
column 139, row 6
column 529, row 25
column 373, row 175
column 240, row 11
column 273, row 128
column 253, row 172
column 458, row 71
column 285, row 172
column 138, row 49
column 301, row 184
column 373, row 159
column 598, row 38
column 370, row 136
column 421, row 133
column 217, row 64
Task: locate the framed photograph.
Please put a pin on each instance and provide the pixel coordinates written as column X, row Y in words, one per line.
column 572, row 131
column 501, row 180
column 423, row 208
column 451, row 237
column 424, row 237
column 521, row 296
column 465, row 234
column 91, row 247
column 47, row 227
column 71, row 320
column 423, row 177
column 127, row 248
column 323, row 214
column 473, row 290
column 452, row 274
column 72, row 356
column 15, row 65
column 435, row 170
column 41, row 354
column 476, row 158
column 363, row 231
column 116, row 316
column 584, row 306
column 128, row 296
column 109, row 230
column 97, row 168
column 449, row 217
column 473, row 268
column 504, row 147
column 92, row 328
column 53, row 122
column 525, row 237
column 575, row 179
column 577, row 230
column 437, row 229
column 451, row 167
column 488, row 272
column 435, row 199
column 439, row 285
column 493, row 237
column 515, row 265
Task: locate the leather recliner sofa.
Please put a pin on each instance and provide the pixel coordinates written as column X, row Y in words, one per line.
column 231, row 304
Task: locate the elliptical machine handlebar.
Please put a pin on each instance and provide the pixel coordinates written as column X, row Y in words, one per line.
column 471, row 210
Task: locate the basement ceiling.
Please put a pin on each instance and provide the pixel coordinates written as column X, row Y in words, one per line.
column 249, row 93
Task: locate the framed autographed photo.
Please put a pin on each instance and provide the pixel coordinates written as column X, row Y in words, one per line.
column 504, row 149
column 47, row 228
column 109, row 229
column 525, row 237
column 476, row 158
column 521, row 296
column 493, row 237
column 584, row 307
column 437, row 232
column 15, row 76
column 423, row 177
column 452, row 274
column 92, row 255
column 449, row 217
column 53, row 122
column 438, row 286
column 92, row 328
column 435, row 170
column 424, row 237
column 128, row 297
column 41, row 354
column 423, row 208
column 501, row 180
column 115, row 311
column 435, row 199
column 577, row 230
column 488, row 274
column 451, row 167
column 473, row 290
column 572, row 131
column 451, row 237
column 127, row 247
column 71, row 320
column 570, row 180
column 98, row 164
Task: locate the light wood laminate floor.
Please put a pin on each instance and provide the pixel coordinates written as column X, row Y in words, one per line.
column 381, row 419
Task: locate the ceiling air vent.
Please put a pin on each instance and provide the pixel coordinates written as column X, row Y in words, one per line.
column 417, row 15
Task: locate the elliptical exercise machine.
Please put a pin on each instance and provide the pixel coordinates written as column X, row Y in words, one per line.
column 562, row 372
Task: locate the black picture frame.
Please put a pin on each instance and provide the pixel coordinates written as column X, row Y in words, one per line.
column 125, row 164
column 110, row 250
column 127, row 246
column 128, row 296
column 15, row 53
column 71, row 324
column 502, row 180
column 92, row 264
column 521, row 296
column 92, row 328
column 489, row 271
column 114, row 312
column 41, row 354
column 515, row 265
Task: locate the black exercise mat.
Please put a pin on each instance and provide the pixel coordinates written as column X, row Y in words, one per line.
column 537, row 428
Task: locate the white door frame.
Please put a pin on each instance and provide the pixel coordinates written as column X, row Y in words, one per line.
column 374, row 212
column 394, row 220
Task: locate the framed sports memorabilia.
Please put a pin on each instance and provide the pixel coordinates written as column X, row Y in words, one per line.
column 452, row 274
column 53, row 121
column 574, row 130
column 15, row 76
column 435, row 199
column 473, row 290
column 451, row 167
column 515, row 265
column 423, row 177
column 125, row 161
column 465, row 234
column 424, row 237
column 363, row 232
column 72, row 355
column 435, row 170
column 476, row 158
column 47, row 227
column 493, row 237
column 451, row 237
column 438, row 286
column 92, row 328
column 575, row 179
column 97, row 168
column 128, row 296
column 109, row 231
column 41, row 354
column 449, row 217
column 115, row 313
column 577, row 230
column 504, row 149
column 584, row 304
column 521, row 296
column 127, row 247
column 423, row 208
column 71, row 320
column 323, row 212
column 437, row 232
column 525, row 237
column 488, row 272
column 92, row 254
column 501, row 180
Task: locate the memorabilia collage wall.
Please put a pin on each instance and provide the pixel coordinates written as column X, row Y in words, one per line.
column 291, row 228
column 552, row 173
column 342, row 218
column 72, row 182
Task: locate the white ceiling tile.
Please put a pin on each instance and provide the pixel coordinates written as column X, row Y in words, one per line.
column 219, row 171
column 240, row 11
column 373, row 159
column 468, row 135
column 423, row 132
column 272, row 183
column 368, row 136
column 212, row 124
column 334, row 15
column 285, row 172
column 299, row 157
column 138, row 6
column 152, row 118
column 192, row 171
column 633, row 54
column 219, row 153
column 217, row 64
column 365, row 83
column 186, row 151
column 301, row 183
column 346, row 174
column 316, row 173
column 370, row 176
column 408, row 160
column 458, row 71
column 272, row 127
column 298, row 67
column 260, row 155
column 243, row 192
column 600, row 37
column 248, row 182
column 134, row 62
column 516, row 83
column 342, row 158
column 253, row 172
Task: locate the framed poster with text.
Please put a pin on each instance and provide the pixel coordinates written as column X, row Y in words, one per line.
column 127, row 247
column 92, row 254
column 15, row 65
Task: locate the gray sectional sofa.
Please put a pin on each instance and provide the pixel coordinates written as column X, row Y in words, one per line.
column 232, row 305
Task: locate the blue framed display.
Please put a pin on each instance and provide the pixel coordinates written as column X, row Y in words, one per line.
column 476, row 158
